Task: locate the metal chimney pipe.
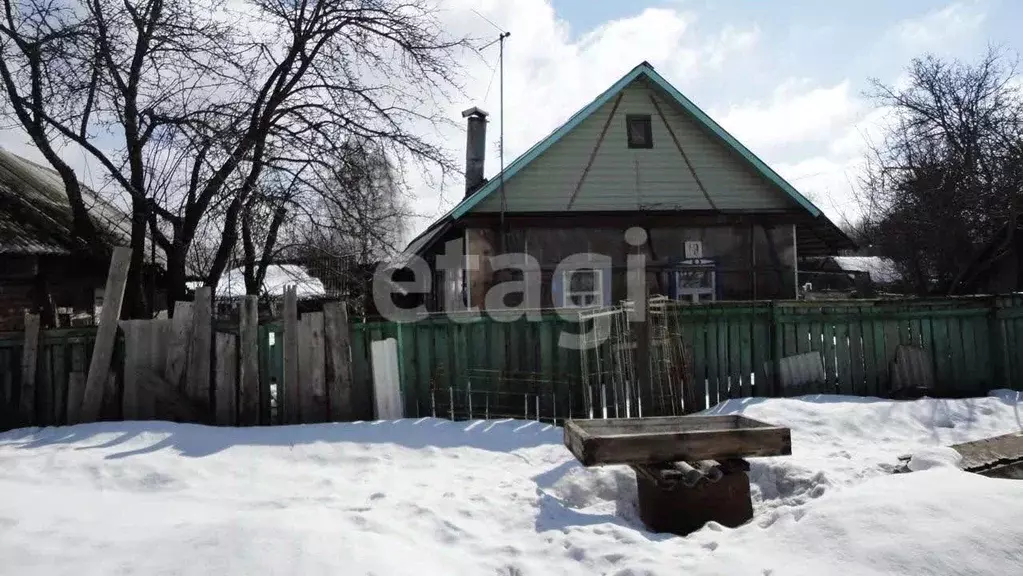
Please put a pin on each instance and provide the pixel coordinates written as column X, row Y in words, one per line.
column 475, row 148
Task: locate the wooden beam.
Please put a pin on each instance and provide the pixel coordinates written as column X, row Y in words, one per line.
column 680, row 439
column 106, row 336
column 248, row 362
column 199, row 366
column 226, row 379
column 291, row 382
column 29, row 362
column 337, row 340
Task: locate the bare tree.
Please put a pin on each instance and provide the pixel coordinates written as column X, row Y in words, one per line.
column 198, row 102
column 946, row 175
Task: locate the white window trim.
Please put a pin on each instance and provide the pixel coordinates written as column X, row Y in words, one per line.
column 597, row 292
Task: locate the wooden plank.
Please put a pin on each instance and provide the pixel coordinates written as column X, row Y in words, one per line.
column 290, row 396
column 843, row 361
column 830, row 351
column 305, row 396
column 60, row 371
column 746, row 356
column 134, row 370
column 44, row 386
column 248, row 362
column 145, row 353
column 226, row 380
column 646, row 444
column 955, row 353
column 75, row 394
column 200, row 359
column 29, row 364
column 880, row 359
column 337, row 340
column 106, row 335
column 180, row 345
column 713, row 366
column 761, row 356
column 386, row 390
column 972, row 377
column 317, row 370
column 856, row 360
column 941, row 354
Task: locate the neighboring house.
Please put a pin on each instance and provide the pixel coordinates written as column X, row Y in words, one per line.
column 720, row 223
column 998, row 268
column 849, row 273
column 44, row 267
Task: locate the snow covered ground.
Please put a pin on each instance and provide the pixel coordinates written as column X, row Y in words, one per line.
column 431, row 497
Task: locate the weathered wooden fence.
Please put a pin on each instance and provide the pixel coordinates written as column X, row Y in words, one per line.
column 487, row 367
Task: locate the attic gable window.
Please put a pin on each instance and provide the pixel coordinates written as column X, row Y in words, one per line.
column 638, row 128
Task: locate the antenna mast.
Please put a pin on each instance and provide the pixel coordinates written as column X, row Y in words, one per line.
column 500, row 42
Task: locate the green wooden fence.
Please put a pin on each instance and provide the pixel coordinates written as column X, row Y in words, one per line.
column 486, row 367
column 975, row 345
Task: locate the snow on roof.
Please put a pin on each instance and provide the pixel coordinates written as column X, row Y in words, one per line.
column 881, row 270
column 278, row 276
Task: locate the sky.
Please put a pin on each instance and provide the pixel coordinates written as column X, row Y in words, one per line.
column 786, row 77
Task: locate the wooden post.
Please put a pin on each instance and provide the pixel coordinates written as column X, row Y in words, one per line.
column 197, row 385
column 291, row 362
column 337, row 338
column 226, row 380
column 248, row 362
column 106, row 336
column 180, row 344
column 29, row 361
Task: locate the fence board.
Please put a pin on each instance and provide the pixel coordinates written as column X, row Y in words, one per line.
column 29, row 364
column 180, row 345
column 106, row 335
column 59, row 383
column 290, row 382
column 226, row 379
column 248, row 362
column 337, row 340
column 200, row 356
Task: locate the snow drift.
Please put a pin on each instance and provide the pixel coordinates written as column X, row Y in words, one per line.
column 429, row 497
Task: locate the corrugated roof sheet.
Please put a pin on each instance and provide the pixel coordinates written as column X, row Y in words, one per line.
column 35, row 215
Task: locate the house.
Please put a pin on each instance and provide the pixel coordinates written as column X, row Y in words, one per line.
column 998, row 268
column 44, row 267
column 711, row 219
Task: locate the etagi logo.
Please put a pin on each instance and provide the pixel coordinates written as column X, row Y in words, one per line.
column 526, row 282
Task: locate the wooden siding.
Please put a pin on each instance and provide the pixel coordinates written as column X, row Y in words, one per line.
column 620, row 178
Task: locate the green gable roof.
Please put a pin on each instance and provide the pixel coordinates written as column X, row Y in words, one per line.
column 645, row 71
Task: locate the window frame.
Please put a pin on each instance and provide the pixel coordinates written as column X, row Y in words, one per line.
column 648, row 132
column 696, row 295
column 597, row 292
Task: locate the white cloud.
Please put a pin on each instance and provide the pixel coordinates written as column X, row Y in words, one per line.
column 935, row 30
column 797, row 112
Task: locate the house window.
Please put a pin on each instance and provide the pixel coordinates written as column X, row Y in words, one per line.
column 696, row 282
column 583, row 288
column 638, row 128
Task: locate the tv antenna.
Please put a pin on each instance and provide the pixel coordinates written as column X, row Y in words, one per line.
column 501, row 37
